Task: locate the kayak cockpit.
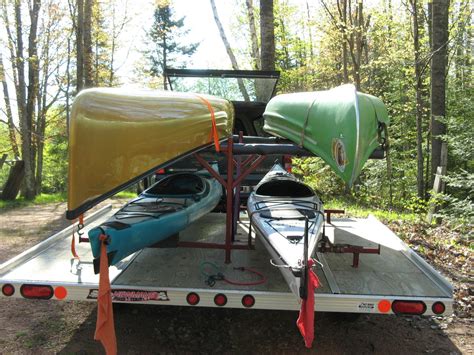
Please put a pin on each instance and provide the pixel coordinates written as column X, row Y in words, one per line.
column 178, row 184
column 284, row 188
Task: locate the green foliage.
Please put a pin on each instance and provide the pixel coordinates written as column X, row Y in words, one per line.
column 55, row 153
column 387, row 71
column 319, row 176
column 5, row 149
column 459, row 203
column 166, row 36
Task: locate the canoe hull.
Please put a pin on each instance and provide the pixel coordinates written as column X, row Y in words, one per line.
column 341, row 125
column 117, row 136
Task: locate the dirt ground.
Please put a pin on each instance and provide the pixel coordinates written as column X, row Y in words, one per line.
column 43, row 327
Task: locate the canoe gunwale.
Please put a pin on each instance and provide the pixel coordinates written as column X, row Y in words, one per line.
column 75, row 213
column 357, row 147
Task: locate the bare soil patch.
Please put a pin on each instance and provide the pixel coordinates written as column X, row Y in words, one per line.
column 28, row 327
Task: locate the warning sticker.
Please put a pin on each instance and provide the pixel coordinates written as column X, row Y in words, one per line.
column 366, row 307
column 132, row 295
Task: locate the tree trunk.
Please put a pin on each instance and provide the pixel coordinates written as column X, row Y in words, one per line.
column 255, row 52
column 229, row 51
column 165, row 64
column 267, row 35
column 29, row 190
column 8, row 111
column 439, row 60
column 68, row 84
column 15, row 178
column 310, row 32
column 344, row 44
column 80, row 46
column 88, row 54
column 21, row 100
column 419, row 99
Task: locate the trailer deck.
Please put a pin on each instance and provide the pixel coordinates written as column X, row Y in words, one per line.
column 167, row 276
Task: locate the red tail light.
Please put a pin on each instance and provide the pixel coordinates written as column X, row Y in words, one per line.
column 220, row 300
column 160, row 171
column 438, row 308
column 248, row 301
column 43, row 292
column 8, row 290
column 192, row 298
column 408, row 307
column 287, row 162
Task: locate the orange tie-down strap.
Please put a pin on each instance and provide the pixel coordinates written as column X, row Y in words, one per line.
column 305, row 320
column 73, row 241
column 105, row 328
column 214, row 135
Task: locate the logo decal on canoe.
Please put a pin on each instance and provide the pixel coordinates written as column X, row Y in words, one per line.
column 339, row 153
column 132, row 295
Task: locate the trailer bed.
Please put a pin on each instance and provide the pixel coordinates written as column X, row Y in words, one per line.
column 167, row 276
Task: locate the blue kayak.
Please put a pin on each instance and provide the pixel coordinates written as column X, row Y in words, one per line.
column 161, row 211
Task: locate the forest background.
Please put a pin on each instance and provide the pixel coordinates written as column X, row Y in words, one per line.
column 415, row 55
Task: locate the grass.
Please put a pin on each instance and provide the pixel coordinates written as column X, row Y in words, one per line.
column 355, row 209
column 125, row 194
column 38, row 200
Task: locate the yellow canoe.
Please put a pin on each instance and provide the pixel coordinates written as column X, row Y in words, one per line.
column 117, row 137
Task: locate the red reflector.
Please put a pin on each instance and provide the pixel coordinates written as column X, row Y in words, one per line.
column 438, row 308
column 220, row 299
column 192, row 298
column 248, row 301
column 8, row 290
column 160, row 171
column 43, row 292
column 408, row 307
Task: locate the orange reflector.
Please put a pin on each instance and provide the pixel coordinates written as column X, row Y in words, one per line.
column 408, row 307
column 193, row 298
column 438, row 308
column 248, row 301
column 220, row 299
column 60, row 292
column 8, row 290
column 384, row 306
column 43, row 292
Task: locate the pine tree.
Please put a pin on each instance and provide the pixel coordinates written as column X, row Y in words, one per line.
column 165, row 34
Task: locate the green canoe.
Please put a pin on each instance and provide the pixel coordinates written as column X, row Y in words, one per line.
column 341, row 125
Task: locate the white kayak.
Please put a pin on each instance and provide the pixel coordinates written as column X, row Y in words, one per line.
column 282, row 210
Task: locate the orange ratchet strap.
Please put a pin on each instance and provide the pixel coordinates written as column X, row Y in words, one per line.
column 214, row 133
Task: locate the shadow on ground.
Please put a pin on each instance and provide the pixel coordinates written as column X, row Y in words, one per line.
column 147, row 329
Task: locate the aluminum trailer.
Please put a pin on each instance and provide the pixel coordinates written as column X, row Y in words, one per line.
column 396, row 281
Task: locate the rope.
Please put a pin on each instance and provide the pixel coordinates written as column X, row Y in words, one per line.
column 214, row 134
column 212, row 278
column 306, row 120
